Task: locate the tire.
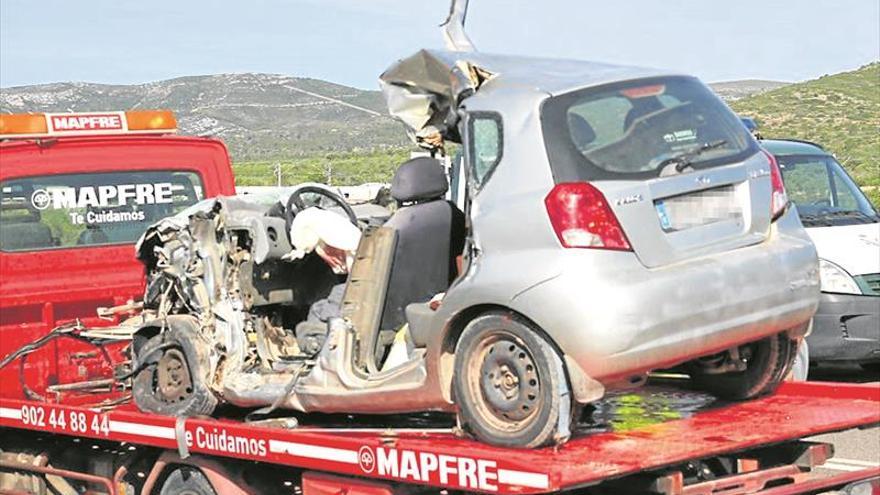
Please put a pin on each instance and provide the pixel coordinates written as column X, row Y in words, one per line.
column 510, row 384
column 770, row 362
column 177, row 384
column 186, row 480
column 800, row 368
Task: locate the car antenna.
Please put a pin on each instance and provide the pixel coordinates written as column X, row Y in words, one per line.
column 453, row 28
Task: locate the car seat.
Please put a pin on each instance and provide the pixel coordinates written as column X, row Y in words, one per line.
column 430, row 236
column 640, row 108
column 581, row 131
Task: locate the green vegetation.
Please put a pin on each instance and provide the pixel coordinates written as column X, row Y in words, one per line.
column 339, row 169
column 841, row 112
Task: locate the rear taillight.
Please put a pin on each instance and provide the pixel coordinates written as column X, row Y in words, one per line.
column 582, row 218
column 779, row 198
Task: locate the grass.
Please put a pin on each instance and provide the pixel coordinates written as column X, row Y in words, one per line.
column 841, row 112
column 341, row 169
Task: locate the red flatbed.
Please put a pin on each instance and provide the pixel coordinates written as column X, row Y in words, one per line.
column 440, row 459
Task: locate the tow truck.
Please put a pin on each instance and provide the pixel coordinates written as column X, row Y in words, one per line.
column 67, row 424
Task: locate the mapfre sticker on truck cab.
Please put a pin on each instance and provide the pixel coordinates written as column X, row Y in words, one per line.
column 74, row 123
column 93, row 199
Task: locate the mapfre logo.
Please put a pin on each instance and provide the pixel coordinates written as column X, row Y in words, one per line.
column 41, row 199
column 87, row 122
column 367, row 459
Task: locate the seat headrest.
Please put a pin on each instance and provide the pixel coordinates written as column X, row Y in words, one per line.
column 419, row 179
column 582, row 132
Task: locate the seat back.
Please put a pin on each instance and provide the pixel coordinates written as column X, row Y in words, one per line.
column 430, row 236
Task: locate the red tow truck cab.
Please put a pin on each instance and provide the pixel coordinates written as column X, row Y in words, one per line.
column 76, row 192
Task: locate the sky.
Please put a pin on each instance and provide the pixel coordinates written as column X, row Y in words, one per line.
column 352, row 41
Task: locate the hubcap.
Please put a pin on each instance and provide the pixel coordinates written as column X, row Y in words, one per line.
column 173, row 381
column 509, row 380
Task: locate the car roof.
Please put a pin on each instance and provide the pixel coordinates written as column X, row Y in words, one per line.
column 792, row 147
column 425, row 89
column 548, row 75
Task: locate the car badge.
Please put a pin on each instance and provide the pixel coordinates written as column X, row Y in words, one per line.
column 628, row 200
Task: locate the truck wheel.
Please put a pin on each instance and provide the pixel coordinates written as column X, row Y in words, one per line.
column 176, row 384
column 768, row 362
column 186, row 480
column 510, row 384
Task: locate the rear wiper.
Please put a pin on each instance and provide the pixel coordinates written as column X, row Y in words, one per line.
column 686, row 158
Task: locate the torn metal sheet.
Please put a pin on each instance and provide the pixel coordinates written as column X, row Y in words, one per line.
column 425, row 90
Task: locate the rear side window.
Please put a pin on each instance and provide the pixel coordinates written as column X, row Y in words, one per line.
column 486, row 145
column 77, row 210
column 631, row 130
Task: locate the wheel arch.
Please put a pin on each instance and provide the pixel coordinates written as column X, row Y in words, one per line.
column 457, row 325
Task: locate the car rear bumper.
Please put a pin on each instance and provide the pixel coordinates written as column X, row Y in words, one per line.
column 846, row 328
column 615, row 317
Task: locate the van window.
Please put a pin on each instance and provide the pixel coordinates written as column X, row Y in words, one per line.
column 62, row 211
column 824, row 194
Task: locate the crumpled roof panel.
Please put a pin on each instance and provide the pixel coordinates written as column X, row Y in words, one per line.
column 424, row 90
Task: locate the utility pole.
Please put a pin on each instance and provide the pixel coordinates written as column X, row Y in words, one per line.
column 329, row 173
column 276, row 169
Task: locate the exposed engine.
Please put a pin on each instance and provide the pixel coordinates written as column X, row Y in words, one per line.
column 225, row 284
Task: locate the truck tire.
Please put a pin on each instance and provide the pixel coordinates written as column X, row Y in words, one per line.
column 176, row 385
column 510, row 384
column 769, row 363
column 187, row 480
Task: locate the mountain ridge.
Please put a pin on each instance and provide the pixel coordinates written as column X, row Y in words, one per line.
column 260, row 116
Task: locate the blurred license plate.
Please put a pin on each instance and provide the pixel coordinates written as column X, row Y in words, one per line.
column 696, row 209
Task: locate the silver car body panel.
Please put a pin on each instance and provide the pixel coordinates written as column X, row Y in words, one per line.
column 676, row 297
column 708, row 286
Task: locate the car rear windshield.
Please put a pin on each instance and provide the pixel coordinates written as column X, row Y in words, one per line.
column 78, row 210
column 638, row 129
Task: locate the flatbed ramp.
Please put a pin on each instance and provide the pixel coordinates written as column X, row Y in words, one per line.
column 603, row 450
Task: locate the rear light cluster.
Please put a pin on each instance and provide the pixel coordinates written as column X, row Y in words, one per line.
column 581, row 218
column 779, row 198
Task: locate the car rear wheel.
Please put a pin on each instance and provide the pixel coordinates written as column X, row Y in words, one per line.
column 172, row 381
column 767, row 363
column 510, row 384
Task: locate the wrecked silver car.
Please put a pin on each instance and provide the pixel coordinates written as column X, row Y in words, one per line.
column 615, row 221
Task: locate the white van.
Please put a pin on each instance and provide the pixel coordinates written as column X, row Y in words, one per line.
column 845, row 227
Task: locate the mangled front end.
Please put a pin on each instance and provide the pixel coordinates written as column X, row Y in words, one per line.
column 223, row 304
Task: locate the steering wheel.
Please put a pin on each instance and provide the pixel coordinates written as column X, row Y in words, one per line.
column 296, row 204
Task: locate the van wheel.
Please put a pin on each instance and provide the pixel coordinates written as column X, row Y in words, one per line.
column 768, row 362
column 173, row 382
column 187, row 480
column 510, row 384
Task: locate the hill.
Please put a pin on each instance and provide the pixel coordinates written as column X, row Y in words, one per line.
column 312, row 128
column 735, row 90
column 260, row 116
column 840, row 111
